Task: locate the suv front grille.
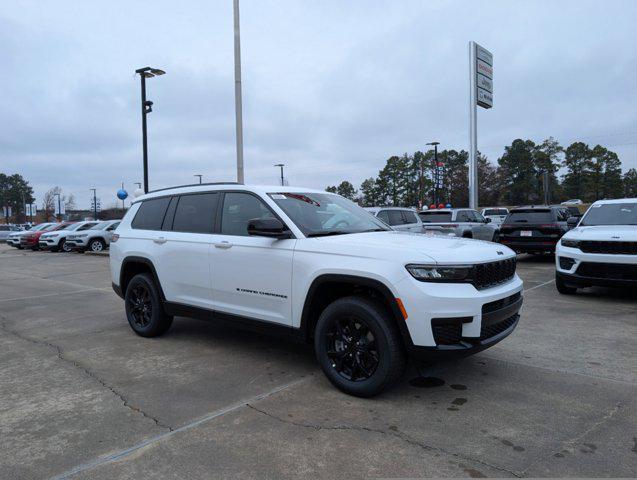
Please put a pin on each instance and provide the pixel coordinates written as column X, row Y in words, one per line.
column 614, row 271
column 497, row 328
column 488, row 275
column 614, row 248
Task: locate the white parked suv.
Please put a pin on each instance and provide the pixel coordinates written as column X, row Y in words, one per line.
column 601, row 250
column 56, row 241
column 271, row 258
column 399, row 218
column 95, row 239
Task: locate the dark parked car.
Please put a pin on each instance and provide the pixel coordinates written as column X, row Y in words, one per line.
column 534, row 229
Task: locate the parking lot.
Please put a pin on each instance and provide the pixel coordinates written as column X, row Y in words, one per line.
column 82, row 396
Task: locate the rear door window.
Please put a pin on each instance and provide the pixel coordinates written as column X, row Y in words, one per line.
column 196, row 213
column 151, row 214
column 463, row 216
column 409, row 217
column 395, row 217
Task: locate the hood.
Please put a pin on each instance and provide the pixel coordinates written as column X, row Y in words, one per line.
column 618, row 233
column 408, row 247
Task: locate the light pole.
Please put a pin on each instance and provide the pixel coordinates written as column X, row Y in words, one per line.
column 147, row 107
column 281, row 165
column 237, row 91
column 198, row 175
column 59, row 206
column 94, row 203
column 435, row 192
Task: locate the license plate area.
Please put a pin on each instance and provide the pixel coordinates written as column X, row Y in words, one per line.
column 526, row 233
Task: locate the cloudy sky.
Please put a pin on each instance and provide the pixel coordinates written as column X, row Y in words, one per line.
column 330, row 88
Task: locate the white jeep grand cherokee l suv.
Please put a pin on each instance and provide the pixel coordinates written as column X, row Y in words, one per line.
column 317, row 267
column 601, row 250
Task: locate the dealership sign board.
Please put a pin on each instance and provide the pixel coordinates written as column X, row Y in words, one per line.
column 484, row 77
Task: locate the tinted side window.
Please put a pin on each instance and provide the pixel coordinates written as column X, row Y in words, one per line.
column 395, row 217
column 409, row 217
column 196, row 213
column 238, row 210
column 383, row 216
column 86, row 226
column 463, row 216
column 150, row 214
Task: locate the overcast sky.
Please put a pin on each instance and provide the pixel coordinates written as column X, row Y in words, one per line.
column 330, row 88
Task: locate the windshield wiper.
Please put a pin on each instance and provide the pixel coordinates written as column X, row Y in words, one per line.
column 373, row 230
column 327, row 233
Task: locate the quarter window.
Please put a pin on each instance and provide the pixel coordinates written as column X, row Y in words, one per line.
column 395, row 217
column 196, row 213
column 409, row 217
column 150, row 214
column 238, row 210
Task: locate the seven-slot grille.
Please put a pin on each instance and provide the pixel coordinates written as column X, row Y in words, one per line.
column 493, row 273
column 610, row 247
column 497, row 328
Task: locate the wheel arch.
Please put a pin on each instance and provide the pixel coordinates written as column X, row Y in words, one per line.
column 134, row 265
column 329, row 287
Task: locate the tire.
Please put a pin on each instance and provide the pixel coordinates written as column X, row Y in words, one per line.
column 64, row 247
column 563, row 288
column 97, row 245
column 144, row 309
column 467, row 235
column 377, row 359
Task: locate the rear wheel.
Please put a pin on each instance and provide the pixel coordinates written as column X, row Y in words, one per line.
column 562, row 287
column 144, row 310
column 97, row 245
column 359, row 347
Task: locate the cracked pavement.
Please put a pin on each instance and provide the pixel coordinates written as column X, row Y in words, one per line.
column 82, row 397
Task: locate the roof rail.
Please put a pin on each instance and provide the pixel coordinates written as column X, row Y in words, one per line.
column 194, row 185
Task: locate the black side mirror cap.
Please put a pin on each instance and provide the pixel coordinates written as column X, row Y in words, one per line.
column 268, row 227
column 572, row 221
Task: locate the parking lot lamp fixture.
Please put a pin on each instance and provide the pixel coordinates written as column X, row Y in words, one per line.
column 435, row 192
column 198, row 175
column 147, row 107
column 281, row 165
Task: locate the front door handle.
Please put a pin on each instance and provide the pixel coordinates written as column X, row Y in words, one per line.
column 223, row 244
column 160, row 240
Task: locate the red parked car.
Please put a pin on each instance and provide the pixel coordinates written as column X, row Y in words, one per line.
column 32, row 240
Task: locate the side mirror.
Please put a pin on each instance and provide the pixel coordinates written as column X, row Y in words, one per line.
column 572, row 222
column 268, row 227
column 487, row 220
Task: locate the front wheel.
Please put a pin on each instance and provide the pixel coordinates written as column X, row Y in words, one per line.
column 359, row 347
column 496, row 237
column 65, row 247
column 97, row 245
column 144, row 310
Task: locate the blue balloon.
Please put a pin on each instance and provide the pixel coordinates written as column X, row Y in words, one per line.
column 122, row 194
column 448, row 205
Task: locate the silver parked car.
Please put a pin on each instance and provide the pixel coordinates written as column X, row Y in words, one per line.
column 6, row 230
column 460, row 222
column 399, row 218
column 95, row 239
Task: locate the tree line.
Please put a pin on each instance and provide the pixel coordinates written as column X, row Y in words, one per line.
column 577, row 171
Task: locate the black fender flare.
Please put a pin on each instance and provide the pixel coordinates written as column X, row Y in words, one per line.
column 149, row 264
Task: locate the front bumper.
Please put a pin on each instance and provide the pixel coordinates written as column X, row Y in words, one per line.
column 47, row 243
column 595, row 269
column 77, row 243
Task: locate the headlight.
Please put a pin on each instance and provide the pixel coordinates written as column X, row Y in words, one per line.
column 569, row 243
column 81, row 235
column 441, row 273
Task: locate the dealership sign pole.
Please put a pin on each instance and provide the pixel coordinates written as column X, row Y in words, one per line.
column 480, row 94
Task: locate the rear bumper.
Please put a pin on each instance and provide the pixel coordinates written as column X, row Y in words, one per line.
column 528, row 247
column 581, row 281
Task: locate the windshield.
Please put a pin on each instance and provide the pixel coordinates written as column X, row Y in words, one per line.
column 41, row 226
column 611, row 214
column 495, row 211
column 100, row 226
column 435, row 217
column 530, row 216
column 319, row 214
column 72, row 226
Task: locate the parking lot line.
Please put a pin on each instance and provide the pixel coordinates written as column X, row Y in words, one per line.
column 538, row 286
column 211, row 416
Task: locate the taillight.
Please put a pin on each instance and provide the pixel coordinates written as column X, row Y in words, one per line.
column 550, row 225
column 114, row 238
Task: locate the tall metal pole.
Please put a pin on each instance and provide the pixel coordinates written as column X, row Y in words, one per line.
column 473, row 129
column 237, row 92
column 281, row 165
column 547, row 196
column 94, row 203
column 437, row 174
column 198, row 175
column 421, row 194
column 144, row 132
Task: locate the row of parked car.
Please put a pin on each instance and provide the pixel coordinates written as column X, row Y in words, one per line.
column 65, row 236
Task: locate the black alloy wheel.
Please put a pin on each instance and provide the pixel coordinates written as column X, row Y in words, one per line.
column 144, row 310
column 352, row 349
column 140, row 304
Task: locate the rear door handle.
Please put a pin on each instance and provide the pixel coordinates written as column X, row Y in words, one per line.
column 223, row 244
column 159, row 240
